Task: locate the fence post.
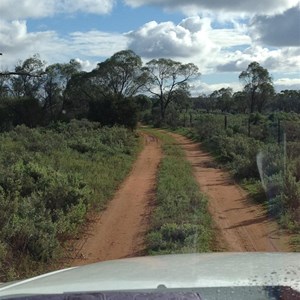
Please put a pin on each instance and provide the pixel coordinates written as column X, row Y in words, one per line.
column 284, row 155
column 191, row 119
column 249, row 127
column 278, row 131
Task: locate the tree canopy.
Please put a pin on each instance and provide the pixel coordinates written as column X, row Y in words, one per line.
column 166, row 77
column 122, row 90
column 258, row 85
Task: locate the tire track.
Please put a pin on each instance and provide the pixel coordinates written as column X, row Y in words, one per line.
column 241, row 224
column 119, row 230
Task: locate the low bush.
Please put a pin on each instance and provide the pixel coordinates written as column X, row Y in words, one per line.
column 49, row 178
column 266, row 153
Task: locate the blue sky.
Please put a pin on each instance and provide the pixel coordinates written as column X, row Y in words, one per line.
column 220, row 37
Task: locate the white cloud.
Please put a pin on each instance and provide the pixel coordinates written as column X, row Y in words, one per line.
column 86, row 65
column 279, row 85
column 97, row 44
column 22, row 9
column 205, row 88
column 287, row 84
column 89, row 6
column 17, row 43
column 281, row 30
column 277, row 60
column 166, row 39
column 193, row 39
column 238, row 6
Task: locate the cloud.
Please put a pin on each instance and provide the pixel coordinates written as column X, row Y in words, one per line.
column 287, row 84
column 238, row 6
column 16, row 9
column 169, row 40
column 279, row 85
column 192, row 38
column 281, row 30
column 276, row 60
column 86, row 65
column 17, row 43
column 88, row 6
column 97, row 43
column 205, row 88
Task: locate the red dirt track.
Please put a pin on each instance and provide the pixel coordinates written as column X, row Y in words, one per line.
column 119, row 231
column 241, row 224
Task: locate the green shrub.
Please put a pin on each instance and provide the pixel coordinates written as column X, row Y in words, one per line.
column 49, row 178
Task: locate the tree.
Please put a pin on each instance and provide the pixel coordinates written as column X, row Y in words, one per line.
column 4, row 87
column 258, row 85
column 77, row 96
column 204, row 102
column 106, row 94
column 222, row 99
column 27, row 80
column 240, row 102
column 182, row 101
column 120, row 76
column 287, row 100
column 165, row 78
column 57, row 77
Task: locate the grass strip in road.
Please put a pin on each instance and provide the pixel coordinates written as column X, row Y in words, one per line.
column 180, row 222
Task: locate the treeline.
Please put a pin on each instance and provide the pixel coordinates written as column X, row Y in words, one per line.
column 114, row 92
column 226, row 101
column 122, row 90
column 49, row 178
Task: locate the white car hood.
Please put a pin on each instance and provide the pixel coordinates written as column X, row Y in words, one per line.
column 170, row 271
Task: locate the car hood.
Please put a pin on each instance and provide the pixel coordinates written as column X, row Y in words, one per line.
column 169, row 271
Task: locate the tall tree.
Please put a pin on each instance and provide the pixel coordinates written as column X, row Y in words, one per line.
column 120, row 76
column 106, row 93
column 223, row 99
column 28, row 79
column 57, row 77
column 258, row 85
column 166, row 77
column 240, row 101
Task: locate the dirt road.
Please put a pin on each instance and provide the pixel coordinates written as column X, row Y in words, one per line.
column 119, row 231
column 241, row 224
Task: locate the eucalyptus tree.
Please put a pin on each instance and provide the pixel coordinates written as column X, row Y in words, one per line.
column 258, row 85
column 165, row 78
column 28, row 78
column 223, row 99
column 120, row 76
column 58, row 76
column 106, row 93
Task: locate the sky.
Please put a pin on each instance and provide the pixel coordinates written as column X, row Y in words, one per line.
column 221, row 37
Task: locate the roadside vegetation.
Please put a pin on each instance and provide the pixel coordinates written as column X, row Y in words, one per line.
column 180, row 222
column 262, row 153
column 49, row 179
